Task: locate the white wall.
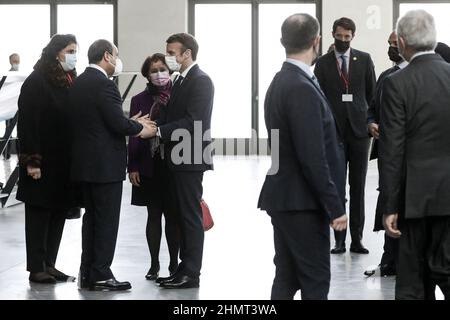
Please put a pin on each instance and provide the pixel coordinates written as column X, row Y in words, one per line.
column 144, row 26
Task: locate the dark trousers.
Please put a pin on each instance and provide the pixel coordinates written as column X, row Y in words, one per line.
column 7, row 151
column 357, row 157
column 424, row 258
column 302, row 255
column 43, row 232
column 187, row 186
column 100, row 226
column 390, row 252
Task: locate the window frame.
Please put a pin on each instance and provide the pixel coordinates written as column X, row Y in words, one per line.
column 54, row 11
column 252, row 145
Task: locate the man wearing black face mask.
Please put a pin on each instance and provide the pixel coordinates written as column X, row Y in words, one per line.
column 388, row 260
column 347, row 77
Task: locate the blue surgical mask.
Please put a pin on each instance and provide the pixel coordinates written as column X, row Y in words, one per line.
column 70, row 63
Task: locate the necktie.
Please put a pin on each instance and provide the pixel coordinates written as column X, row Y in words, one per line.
column 344, row 67
column 177, row 84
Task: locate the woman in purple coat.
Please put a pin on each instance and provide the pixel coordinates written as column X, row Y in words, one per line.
column 148, row 171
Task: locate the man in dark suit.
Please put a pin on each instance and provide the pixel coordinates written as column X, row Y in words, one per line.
column 414, row 161
column 184, row 128
column 388, row 260
column 99, row 159
column 306, row 194
column 347, row 78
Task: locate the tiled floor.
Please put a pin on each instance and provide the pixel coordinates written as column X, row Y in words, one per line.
column 238, row 251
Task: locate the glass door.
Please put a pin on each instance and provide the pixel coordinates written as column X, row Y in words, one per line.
column 240, row 49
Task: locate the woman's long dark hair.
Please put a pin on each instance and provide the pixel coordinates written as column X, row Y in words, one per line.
column 49, row 66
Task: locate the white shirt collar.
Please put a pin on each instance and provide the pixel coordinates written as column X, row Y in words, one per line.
column 96, row 66
column 346, row 54
column 301, row 65
column 403, row 64
column 185, row 72
column 418, row 54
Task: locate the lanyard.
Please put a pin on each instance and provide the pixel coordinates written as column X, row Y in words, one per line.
column 345, row 79
column 69, row 78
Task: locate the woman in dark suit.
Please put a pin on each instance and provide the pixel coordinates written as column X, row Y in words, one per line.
column 147, row 170
column 44, row 156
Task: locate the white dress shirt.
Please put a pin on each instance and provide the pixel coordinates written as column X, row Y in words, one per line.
column 346, row 57
column 422, row 53
column 96, row 66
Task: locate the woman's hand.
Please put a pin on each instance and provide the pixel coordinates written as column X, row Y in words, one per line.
column 135, row 179
column 33, row 172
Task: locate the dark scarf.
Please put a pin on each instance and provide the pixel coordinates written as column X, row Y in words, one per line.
column 160, row 96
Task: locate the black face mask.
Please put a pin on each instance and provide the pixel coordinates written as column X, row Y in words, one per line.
column 341, row 46
column 394, row 54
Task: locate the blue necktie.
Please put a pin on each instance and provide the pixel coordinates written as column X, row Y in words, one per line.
column 344, row 67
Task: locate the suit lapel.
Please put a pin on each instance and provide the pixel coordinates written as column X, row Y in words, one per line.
column 333, row 65
column 354, row 66
column 179, row 91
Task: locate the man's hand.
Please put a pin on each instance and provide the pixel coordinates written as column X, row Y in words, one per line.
column 390, row 225
column 148, row 131
column 33, row 172
column 136, row 116
column 135, row 178
column 340, row 223
column 373, row 130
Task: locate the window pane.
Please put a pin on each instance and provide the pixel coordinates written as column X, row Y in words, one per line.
column 225, row 54
column 440, row 12
column 271, row 52
column 88, row 23
column 25, row 29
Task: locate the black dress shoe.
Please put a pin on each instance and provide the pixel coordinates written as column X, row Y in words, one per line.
column 339, row 248
column 151, row 275
column 358, row 248
column 110, row 285
column 42, row 277
column 166, row 279
column 387, row 270
column 59, row 276
column 181, row 282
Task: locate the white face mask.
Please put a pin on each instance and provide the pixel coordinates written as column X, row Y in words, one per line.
column 118, row 68
column 70, row 63
column 172, row 63
column 160, row 79
column 15, row 67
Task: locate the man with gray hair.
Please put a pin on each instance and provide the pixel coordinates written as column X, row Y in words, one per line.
column 414, row 161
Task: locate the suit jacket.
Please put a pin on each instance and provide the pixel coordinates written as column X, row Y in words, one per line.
column 373, row 114
column 139, row 150
column 311, row 174
column 414, row 155
column 99, row 127
column 191, row 102
column 44, row 143
column 362, row 86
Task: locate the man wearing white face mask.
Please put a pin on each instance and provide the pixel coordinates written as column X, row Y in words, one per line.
column 14, row 61
column 99, row 128
column 189, row 109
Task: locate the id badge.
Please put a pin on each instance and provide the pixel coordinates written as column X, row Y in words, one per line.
column 347, row 98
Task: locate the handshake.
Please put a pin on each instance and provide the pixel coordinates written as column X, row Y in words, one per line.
column 149, row 130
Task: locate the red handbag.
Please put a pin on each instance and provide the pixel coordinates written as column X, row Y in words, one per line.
column 208, row 221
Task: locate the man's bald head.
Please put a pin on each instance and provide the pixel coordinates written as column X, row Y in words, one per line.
column 299, row 32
